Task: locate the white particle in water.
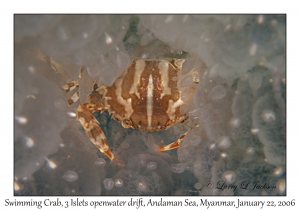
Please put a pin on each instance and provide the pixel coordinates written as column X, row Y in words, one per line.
column 21, row 120
column 250, row 150
column 260, row 19
column 224, row 142
column 229, row 177
column 223, row 155
column 254, row 130
column 29, row 142
column 50, row 164
column 141, row 186
column 71, row 114
column 253, row 49
column 108, row 183
column 280, row 186
column 108, row 39
column 31, row 69
column 234, row 122
column 85, row 35
column 212, row 146
column 70, row 176
column 152, row 165
column 17, row 186
column 278, row 171
column 118, row 183
column 268, row 116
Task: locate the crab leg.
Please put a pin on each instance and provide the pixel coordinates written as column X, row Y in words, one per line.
column 175, row 144
column 92, row 128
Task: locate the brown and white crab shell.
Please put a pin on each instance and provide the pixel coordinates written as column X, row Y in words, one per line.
column 146, row 96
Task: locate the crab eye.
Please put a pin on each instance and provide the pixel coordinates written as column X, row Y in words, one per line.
column 126, row 123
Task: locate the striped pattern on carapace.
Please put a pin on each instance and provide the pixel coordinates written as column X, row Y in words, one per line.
column 146, row 96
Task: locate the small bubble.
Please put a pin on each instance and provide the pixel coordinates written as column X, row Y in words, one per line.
column 21, row 120
column 100, row 162
column 108, row 39
column 71, row 114
column 50, row 164
column 70, row 176
column 125, row 145
column 108, row 183
column 141, row 186
column 177, row 168
column 217, row 92
column 280, row 186
column 152, row 165
column 270, row 80
column 250, row 150
column 234, row 122
column 268, row 116
column 278, row 171
column 229, row 177
column 198, row 185
column 118, row 182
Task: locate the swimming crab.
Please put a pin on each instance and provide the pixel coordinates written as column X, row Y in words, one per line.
column 145, row 97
